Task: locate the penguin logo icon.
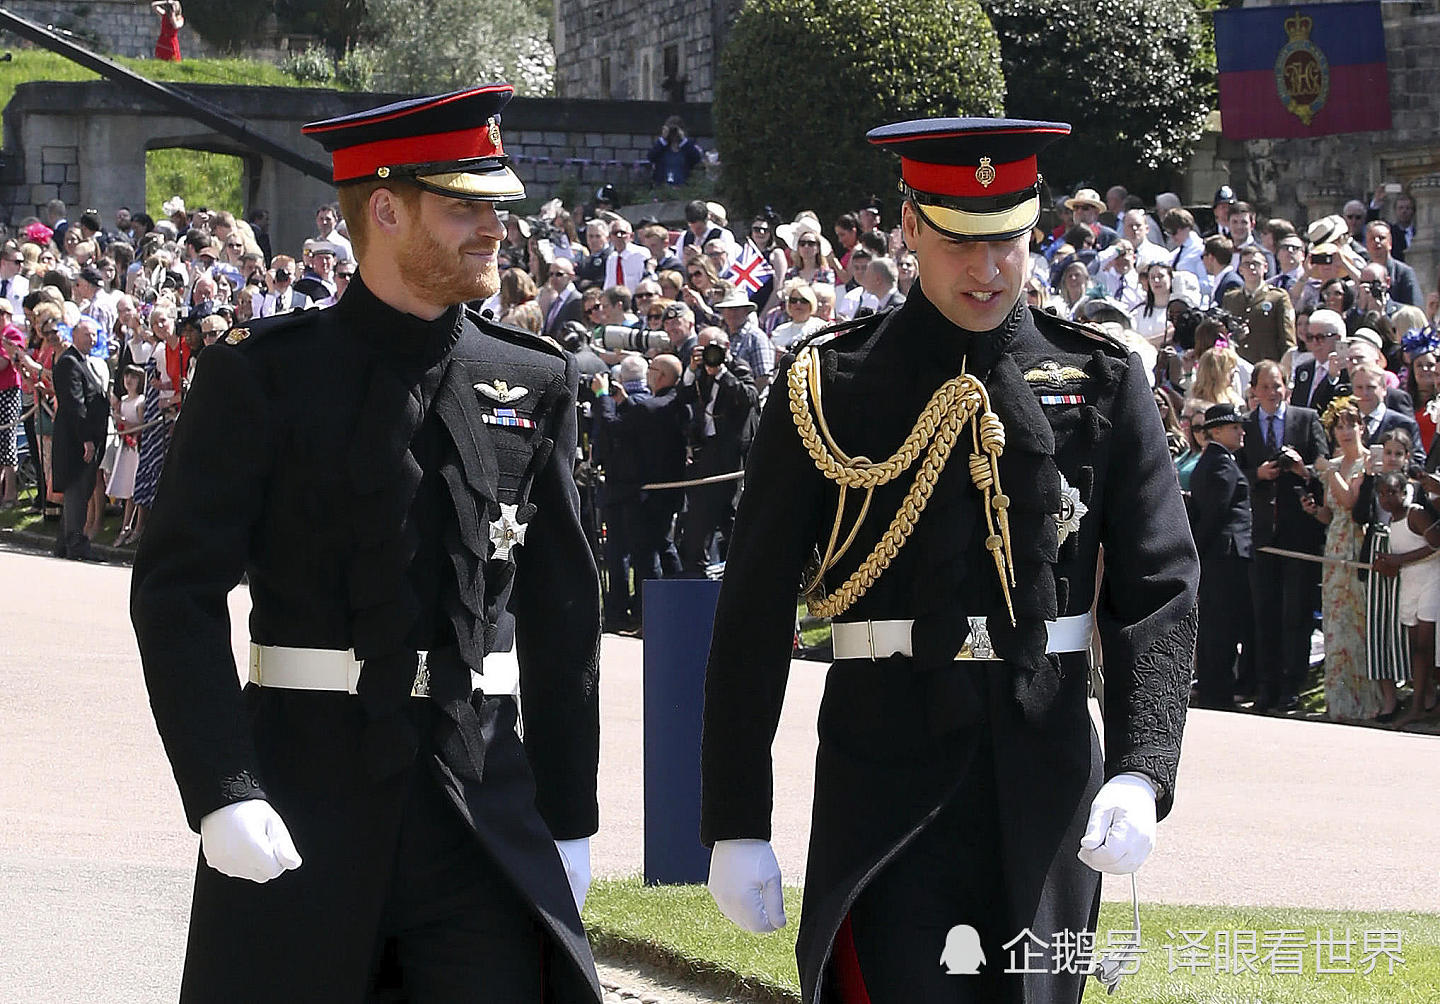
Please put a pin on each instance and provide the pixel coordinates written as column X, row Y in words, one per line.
column 963, row 955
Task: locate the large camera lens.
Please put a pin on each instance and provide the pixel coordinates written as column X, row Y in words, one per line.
column 713, row 355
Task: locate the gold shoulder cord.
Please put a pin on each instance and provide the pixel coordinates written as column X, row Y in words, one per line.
column 954, row 405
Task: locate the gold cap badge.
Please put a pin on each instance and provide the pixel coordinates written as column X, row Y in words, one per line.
column 985, row 173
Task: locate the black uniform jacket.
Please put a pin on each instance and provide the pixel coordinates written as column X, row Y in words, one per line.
column 1220, row 505
column 341, row 461
column 898, row 735
column 642, row 441
column 82, row 414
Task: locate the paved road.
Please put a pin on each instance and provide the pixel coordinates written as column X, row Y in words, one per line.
column 95, row 857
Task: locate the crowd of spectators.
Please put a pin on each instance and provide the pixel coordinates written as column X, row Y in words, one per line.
column 679, row 331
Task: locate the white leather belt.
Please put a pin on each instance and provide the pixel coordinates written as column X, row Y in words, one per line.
column 882, row 639
column 338, row 670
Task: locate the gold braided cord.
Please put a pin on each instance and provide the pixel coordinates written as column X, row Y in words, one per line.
column 959, row 401
column 860, row 473
column 902, row 525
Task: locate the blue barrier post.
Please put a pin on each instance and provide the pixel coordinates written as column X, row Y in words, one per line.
column 679, row 616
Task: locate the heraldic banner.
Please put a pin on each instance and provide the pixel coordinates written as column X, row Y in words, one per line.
column 1301, row 71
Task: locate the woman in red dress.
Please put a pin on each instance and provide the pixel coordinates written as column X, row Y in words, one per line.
column 167, row 46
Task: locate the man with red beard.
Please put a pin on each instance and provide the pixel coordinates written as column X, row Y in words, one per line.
column 393, row 477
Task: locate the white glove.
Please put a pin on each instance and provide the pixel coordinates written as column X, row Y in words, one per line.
column 575, row 855
column 1121, row 831
column 745, row 883
column 248, row 840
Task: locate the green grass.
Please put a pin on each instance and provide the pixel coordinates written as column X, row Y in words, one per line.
column 199, row 177
column 22, row 519
column 678, row 927
column 30, row 65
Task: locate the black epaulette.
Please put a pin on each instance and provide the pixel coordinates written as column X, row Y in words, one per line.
column 250, row 330
column 1044, row 318
column 841, row 327
column 518, row 336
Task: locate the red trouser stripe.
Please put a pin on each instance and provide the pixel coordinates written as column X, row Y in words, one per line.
column 848, row 978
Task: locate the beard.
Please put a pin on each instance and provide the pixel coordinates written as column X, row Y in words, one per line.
column 445, row 275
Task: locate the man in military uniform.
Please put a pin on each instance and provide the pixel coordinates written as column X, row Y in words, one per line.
column 393, row 477
column 943, row 476
column 1266, row 310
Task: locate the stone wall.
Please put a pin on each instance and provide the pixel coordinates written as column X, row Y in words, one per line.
column 647, row 50
column 560, row 143
column 85, row 143
column 1304, row 179
column 115, row 27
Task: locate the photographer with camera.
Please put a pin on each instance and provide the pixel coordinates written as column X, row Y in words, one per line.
column 282, row 297
column 674, row 154
column 172, row 19
column 723, row 414
column 639, row 438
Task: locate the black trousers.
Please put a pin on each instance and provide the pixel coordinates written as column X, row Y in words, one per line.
column 949, row 875
column 709, row 512
column 71, row 541
column 454, row 930
column 1282, row 590
column 1225, row 617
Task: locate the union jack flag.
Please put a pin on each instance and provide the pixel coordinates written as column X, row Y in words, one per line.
column 750, row 270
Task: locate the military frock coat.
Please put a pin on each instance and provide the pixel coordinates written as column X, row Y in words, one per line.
column 898, row 735
column 293, row 464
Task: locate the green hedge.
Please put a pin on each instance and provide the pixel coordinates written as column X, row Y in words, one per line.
column 801, row 81
column 1135, row 77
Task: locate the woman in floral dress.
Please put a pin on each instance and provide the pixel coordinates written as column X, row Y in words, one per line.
column 1349, row 694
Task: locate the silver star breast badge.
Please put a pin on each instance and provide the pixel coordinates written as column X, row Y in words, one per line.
column 1072, row 510
column 506, row 532
column 501, row 392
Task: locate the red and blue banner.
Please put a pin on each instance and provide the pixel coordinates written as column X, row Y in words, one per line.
column 1308, row 70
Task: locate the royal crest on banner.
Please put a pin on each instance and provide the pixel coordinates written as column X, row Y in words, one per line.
column 1302, row 73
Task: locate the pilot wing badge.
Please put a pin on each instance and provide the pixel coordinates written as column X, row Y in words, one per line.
column 501, row 392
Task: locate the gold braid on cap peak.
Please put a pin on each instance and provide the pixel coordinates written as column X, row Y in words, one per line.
column 959, row 401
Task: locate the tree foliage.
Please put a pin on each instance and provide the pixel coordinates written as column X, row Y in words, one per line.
column 438, row 45
column 1135, row 77
column 801, row 81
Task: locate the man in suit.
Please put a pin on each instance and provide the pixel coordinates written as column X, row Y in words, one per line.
column 81, row 420
column 1220, row 522
column 1363, row 348
column 1280, row 440
column 880, row 282
column 1267, row 311
column 626, row 264
column 1404, row 286
column 720, row 390
column 567, row 304
column 1402, row 228
column 394, row 476
column 1367, row 382
column 640, row 440
column 1315, row 378
column 283, row 295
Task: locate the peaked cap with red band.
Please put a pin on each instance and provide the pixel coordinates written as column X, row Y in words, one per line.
column 971, row 179
column 448, row 144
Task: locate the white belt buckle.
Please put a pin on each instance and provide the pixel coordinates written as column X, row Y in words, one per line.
column 870, row 638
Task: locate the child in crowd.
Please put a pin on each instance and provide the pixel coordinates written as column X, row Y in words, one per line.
column 129, row 415
column 1414, row 560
